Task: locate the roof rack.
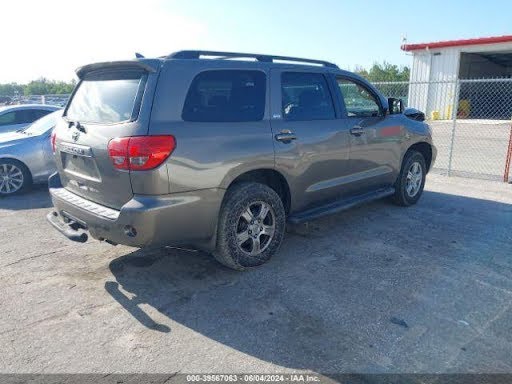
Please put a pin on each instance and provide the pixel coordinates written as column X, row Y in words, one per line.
column 236, row 55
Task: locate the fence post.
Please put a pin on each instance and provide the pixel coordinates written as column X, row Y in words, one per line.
column 508, row 159
column 43, row 99
column 455, row 109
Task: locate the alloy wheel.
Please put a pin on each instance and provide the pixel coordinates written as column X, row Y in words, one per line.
column 11, row 179
column 414, row 179
column 255, row 228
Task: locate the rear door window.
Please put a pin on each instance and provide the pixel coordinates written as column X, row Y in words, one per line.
column 8, row 118
column 226, row 96
column 107, row 97
column 305, row 97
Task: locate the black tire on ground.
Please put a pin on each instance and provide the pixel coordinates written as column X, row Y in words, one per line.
column 7, row 165
column 233, row 224
column 412, row 160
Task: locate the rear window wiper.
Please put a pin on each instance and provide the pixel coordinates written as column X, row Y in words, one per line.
column 77, row 125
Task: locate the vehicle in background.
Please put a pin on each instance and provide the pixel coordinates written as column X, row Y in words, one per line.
column 16, row 117
column 26, row 156
column 212, row 151
column 5, row 100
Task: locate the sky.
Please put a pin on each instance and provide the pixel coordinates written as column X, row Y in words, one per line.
column 52, row 38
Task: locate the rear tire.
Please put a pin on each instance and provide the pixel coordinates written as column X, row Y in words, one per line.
column 410, row 182
column 15, row 177
column 251, row 226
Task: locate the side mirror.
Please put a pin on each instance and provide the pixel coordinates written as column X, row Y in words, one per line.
column 414, row 114
column 395, row 106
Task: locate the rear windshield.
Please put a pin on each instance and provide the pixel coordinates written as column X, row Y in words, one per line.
column 107, row 97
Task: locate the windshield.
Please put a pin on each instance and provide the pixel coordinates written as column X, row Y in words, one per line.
column 43, row 125
column 106, row 97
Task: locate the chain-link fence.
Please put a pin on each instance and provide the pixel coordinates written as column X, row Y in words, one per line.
column 59, row 100
column 470, row 120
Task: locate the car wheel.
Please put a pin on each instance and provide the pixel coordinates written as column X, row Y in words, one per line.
column 14, row 177
column 251, row 226
column 410, row 182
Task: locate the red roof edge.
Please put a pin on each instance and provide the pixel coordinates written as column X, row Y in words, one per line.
column 457, row 43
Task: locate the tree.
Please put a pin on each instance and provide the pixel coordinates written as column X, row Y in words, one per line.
column 40, row 86
column 384, row 72
column 11, row 89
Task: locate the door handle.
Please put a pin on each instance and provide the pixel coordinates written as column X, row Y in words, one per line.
column 286, row 136
column 357, row 131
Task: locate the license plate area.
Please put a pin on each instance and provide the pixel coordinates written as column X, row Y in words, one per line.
column 77, row 160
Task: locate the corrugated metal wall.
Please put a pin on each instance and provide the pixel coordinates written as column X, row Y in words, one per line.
column 434, row 72
column 429, row 89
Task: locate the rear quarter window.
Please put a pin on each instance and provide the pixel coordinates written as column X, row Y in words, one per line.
column 226, row 96
column 107, row 97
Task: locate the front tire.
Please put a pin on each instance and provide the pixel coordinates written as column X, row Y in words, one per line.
column 14, row 177
column 411, row 181
column 251, row 226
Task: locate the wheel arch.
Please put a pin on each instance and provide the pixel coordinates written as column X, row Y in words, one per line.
column 270, row 177
column 12, row 158
column 28, row 179
column 425, row 149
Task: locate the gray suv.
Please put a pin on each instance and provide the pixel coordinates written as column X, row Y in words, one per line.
column 218, row 150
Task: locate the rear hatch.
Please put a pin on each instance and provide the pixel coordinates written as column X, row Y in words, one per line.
column 112, row 100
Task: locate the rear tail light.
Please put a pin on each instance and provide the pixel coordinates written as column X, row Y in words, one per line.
column 53, row 138
column 140, row 153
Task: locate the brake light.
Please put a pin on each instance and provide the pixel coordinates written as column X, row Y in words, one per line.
column 53, row 138
column 140, row 153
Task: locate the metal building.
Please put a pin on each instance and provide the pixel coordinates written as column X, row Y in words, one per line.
column 439, row 70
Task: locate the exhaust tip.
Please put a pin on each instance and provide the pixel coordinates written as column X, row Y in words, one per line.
column 130, row 231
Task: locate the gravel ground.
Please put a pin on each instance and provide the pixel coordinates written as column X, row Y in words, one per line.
column 375, row 289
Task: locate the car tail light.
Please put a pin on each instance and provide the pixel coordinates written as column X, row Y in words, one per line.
column 53, row 138
column 140, row 153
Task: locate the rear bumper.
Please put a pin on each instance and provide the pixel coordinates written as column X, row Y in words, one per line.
column 186, row 219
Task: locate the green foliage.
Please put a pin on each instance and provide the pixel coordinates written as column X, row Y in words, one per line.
column 384, row 72
column 11, row 89
column 41, row 86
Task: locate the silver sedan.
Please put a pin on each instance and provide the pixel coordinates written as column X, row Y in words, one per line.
column 26, row 155
column 16, row 117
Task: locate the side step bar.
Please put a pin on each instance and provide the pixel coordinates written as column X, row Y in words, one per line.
column 338, row 206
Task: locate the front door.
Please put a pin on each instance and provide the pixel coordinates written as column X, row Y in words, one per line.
column 375, row 137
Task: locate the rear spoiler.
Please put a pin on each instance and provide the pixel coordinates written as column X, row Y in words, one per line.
column 149, row 65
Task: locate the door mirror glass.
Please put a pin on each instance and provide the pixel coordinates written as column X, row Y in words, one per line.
column 395, row 106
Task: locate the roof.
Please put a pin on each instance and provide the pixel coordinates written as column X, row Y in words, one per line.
column 28, row 106
column 458, row 43
column 151, row 65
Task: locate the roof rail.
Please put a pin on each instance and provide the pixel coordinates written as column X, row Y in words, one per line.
column 232, row 55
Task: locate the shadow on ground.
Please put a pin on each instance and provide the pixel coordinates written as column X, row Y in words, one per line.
column 37, row 197
column 375, row 289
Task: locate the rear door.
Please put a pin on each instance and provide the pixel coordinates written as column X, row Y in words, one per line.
column 108, row 103
column 311, row 143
